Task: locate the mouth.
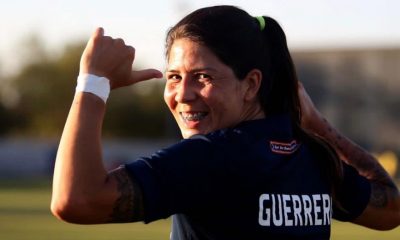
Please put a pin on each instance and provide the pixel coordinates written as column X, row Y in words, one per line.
column 192, row 117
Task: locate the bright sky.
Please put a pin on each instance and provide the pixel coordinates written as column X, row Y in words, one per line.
column 143, row 23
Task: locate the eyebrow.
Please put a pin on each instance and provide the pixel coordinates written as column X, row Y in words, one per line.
column 194, row 70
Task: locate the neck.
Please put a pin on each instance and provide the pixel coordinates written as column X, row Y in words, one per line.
column 254, row 112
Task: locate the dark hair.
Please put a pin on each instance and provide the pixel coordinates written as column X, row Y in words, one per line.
column 236, row 39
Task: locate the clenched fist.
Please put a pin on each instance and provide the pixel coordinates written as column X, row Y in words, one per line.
column 107, row 57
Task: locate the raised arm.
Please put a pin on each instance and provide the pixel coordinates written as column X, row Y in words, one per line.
column 383, row 210
column 83, row 191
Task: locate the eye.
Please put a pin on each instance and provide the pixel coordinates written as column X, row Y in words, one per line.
column 203, row 77
column 174, row 77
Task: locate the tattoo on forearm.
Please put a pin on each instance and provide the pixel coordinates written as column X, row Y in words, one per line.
column 379, row 198
column 129, row 205
column 383, row 189
column 336, row 139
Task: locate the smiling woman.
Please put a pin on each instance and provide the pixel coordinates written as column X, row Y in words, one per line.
column 257, row 158
column 204, row 94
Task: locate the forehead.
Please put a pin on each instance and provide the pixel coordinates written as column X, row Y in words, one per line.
column 189, row 54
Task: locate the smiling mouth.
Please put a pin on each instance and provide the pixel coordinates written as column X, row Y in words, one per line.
column 193, row 117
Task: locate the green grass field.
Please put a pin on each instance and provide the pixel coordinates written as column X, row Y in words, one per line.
column 24, row 214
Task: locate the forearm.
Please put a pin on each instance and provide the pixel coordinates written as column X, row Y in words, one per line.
column 383, row 210
column 79, row 170
column 366, row 164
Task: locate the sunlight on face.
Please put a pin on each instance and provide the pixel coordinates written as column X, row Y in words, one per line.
column 202, row 93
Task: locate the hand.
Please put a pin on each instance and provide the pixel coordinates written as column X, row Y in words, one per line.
column 311, row 118
column 111, row 58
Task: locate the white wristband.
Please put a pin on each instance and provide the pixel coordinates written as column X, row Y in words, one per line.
column 99, row 86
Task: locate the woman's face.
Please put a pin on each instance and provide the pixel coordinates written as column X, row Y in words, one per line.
column 202, row 93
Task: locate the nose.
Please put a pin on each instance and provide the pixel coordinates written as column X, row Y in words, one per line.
column 185, row 91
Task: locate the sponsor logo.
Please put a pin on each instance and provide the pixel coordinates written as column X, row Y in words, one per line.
column 284, row 148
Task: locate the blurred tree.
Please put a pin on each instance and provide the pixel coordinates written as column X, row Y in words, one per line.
column 8, row 120
column 130, row 113
column 46, row 86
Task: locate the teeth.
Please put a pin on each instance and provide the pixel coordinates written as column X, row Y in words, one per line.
column 193, row 116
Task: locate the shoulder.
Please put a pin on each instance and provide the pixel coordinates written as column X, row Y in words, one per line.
column 191, row 153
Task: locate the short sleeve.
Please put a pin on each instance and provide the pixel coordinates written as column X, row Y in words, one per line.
column 353, row 195
column 178, row 179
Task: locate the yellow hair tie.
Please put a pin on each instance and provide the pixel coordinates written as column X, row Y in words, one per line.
column 261, row 21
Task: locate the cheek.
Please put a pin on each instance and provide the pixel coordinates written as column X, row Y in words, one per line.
column 169, row 96
column 226, row 104
column 215, row 97
column 210, row 94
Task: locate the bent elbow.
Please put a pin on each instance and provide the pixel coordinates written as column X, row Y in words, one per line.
column 389, row 223
column 59, row 211
column 63, row 210
column 387, row 226
column 392, row 220
column 71, row 211
column 395, row 223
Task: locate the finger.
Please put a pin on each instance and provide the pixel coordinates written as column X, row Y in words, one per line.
column 146, row 74
column 99, row 32
column 131, row 52
column 119, row 42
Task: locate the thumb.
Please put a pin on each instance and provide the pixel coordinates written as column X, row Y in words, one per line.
column 146, row 74
column 98, row 33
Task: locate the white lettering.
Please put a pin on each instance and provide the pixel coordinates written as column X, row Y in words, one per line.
column 298, row 220
column 317, row 209
column 261, row 220
column 307, row 209
column 286, row 210
column 294, row 210
column 277, row 217
column 327, row 209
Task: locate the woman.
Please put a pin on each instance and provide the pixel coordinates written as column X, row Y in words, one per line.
column 251, row 163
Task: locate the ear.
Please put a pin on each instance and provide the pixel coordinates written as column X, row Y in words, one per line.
column 252, row 83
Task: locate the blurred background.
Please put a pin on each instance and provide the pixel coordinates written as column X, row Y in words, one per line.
column 347, row 54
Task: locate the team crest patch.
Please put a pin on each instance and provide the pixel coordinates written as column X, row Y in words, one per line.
column 284, row 148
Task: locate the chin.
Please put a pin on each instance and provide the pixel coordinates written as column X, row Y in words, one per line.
column 187, row 133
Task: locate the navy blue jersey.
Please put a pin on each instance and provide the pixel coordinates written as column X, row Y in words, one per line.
column 254, row 181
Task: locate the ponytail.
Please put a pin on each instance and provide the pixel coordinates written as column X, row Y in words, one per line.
column 278, row 93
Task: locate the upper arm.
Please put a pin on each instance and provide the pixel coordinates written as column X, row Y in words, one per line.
column 383, row 209
column 128, row 206
column 119, row 199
